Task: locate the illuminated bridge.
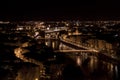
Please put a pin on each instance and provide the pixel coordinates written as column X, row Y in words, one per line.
column 77, row 47
column 72, row 51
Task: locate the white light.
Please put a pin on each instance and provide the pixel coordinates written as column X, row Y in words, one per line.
column 20, row 28
column 116, row 35
column 36, row 33
column 4, row 22
column 48, row 28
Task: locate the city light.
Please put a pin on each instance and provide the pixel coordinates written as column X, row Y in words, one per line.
column 53, row 49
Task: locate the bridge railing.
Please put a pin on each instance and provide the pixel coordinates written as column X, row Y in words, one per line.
column 85, row 46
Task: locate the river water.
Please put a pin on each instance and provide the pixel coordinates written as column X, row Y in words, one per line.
column 86, row 67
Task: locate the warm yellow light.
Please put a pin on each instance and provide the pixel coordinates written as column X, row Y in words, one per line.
column 36, row 78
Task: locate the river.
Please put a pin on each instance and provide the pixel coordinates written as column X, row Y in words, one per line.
column 88, row 67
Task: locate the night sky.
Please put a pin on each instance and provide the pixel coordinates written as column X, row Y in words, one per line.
column 60, row 10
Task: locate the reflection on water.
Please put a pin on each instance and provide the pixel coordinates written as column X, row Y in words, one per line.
column 90, row 68
column 79, row 62
column 28, row 73
column 51, row 72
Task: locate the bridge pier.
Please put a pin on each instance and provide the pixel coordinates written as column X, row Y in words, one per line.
column 53, row 40
column 57, row 43
column 49, row 43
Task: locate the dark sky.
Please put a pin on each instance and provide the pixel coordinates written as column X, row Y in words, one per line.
column 63, row 10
